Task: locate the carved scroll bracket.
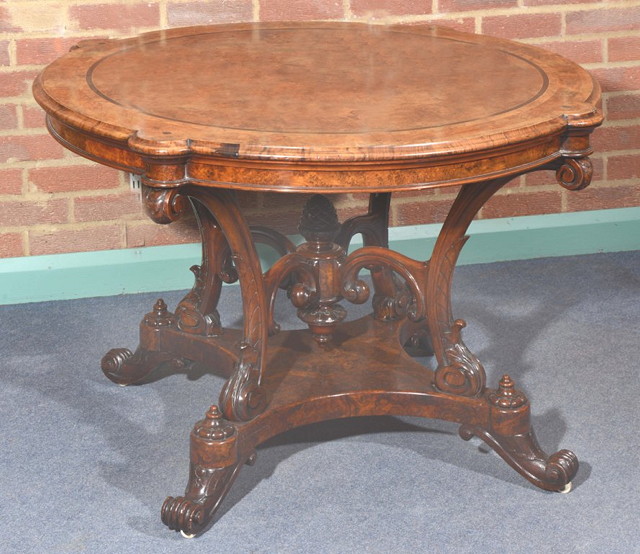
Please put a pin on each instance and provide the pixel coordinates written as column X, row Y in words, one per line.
column 575, row 173
column 409, row 300
column 164, row 205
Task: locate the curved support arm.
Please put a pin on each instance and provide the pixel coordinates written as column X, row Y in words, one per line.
column 242, row 397
column 459, row 371
column 413, row 272
column 373, row 225
column 197, row 313
column 276, row 240
column 302, row 292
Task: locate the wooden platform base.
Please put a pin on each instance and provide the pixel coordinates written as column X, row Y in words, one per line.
column 366, row 371
column 279, row 380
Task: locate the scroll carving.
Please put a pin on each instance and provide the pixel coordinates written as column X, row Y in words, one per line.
column 189, row 312
column 124, row 367
column 391, row 297
column 575, row 173
column 164, row 205
column 409, row 300
column 214, row 441
column 197, row 313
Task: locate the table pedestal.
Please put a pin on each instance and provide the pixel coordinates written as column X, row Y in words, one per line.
column 279, row 380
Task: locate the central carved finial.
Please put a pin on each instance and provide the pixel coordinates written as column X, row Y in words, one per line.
column 214, row 427
column 507, row 396
column 319, row 222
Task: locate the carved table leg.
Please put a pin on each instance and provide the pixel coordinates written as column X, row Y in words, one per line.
column 459, row 371
column 197, row 313
column 412, row 303
column 510, row 434
column 242, row 396
column 123, row 367
column 120, row 364
column 215, row 463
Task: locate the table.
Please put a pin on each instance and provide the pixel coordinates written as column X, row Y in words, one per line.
column 322, row 108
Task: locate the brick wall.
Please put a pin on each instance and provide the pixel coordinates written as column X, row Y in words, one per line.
column 53, row 201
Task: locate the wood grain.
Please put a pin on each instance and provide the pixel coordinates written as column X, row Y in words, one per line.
column 251, row 105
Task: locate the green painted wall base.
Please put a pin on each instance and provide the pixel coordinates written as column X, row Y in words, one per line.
column 163, row 268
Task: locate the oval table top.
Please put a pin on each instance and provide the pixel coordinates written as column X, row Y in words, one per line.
column 252, row 104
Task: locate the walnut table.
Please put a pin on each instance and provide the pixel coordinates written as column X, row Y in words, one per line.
column 322, row 108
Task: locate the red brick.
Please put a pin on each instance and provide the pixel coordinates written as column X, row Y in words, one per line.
column 554, row 2
column 8, row 117
column 464, row 5
column 604, row 198
column 145, row 233
column 297, row 10
column 626, row 106
column 583, row 51
column 429, row 206
column 56, row 241
column 287, row 203
column 4, row 52
column 250, row 200
column 526, row 203
column 10, row 181
column 203, row 13
column 540, row 178
column 29, row 148
column 609, row 139
column 5, row 21
column 624, row 167
column 618, row 78
column 624, row 49
column 382, row 8
column 74, row 178
column 16, row 213
column 115, row 16
column 285, row 221
column 42, row 50
column 465, row 24
column 16, row 83
column 11, row 245
column 33, row 117
column 107, row 207
column 523, row 25
column 607, row 19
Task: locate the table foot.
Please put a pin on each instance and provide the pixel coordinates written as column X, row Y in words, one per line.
column 215, row 463
column 509, row 433
column 124, row 367
column 193, row 513
column 549, row 472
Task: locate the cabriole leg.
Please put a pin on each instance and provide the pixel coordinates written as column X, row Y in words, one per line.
column 242, row 397
column 510, row 434
column 215, row 463
column 459, row 371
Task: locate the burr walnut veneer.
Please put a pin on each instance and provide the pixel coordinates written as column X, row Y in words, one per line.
column 322, row 108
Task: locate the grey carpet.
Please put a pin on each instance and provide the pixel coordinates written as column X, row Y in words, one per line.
column 85, row 465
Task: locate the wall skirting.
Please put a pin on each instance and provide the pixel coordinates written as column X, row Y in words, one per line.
column 163, row 268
